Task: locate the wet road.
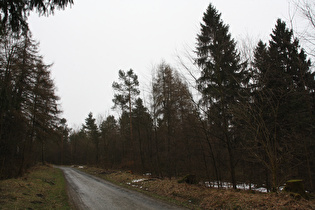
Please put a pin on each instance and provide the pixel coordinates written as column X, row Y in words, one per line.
column 89, row 192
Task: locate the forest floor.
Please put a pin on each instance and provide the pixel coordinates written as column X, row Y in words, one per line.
column 200, row 196
column 42, row 187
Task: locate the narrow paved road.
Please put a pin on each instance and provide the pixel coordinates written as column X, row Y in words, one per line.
column 90, row 192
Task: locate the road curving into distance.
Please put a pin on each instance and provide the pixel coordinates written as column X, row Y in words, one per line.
column 90, row 192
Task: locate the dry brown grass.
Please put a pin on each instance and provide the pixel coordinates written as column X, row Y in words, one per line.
column 200, row 197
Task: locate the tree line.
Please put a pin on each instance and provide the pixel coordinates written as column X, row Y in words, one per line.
column 246, row 120
column 29, row 112
column 253, row 121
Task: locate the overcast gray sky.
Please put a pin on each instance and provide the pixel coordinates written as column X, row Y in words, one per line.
column 89, row 42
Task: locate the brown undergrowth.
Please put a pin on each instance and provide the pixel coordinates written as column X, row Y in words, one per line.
column 201, row 197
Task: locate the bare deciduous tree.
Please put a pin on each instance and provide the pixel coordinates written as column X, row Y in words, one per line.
column 306, row 9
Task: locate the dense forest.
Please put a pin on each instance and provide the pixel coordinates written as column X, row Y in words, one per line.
column 243, row 120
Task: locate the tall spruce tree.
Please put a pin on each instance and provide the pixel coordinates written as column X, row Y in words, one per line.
column 142, row 131
column 221, row 78
column 109, row 133
column 93, row 134
column 282, row 106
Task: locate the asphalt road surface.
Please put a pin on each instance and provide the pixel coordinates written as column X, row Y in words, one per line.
column 90, row 192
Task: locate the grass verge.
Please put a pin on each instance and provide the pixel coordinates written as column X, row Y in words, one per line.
column 198, row 196
column 43, row 187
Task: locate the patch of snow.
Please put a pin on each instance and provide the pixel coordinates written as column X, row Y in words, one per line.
column 261, row 189
column 207, row 184
column 227, row 185
column 138, row 180
column 246, row 186
column 81, row 167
